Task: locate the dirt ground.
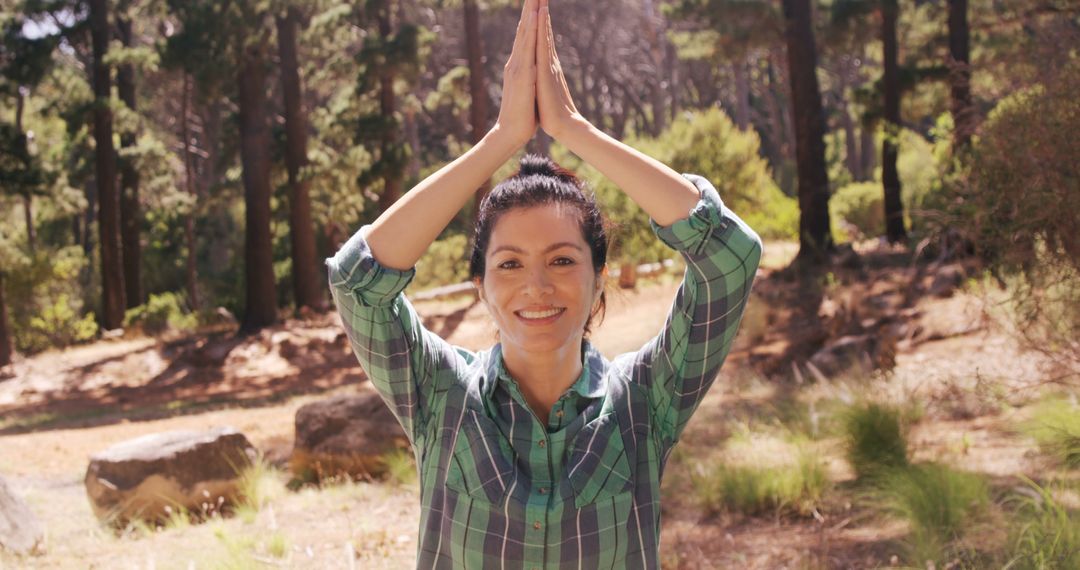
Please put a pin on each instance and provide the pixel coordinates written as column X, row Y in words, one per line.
column 56, row 409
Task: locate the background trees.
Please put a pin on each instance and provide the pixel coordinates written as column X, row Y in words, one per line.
column 249, row 139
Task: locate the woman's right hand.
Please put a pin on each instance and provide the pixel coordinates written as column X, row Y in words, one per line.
column 518, row 119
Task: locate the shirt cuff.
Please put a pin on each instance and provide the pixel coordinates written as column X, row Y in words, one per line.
column 708, row 218
column 354, row 269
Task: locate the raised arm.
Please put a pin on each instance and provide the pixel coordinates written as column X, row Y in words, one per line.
column 404, row 231
column 660, row 191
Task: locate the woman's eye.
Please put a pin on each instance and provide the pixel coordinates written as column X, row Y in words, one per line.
column 563, row 261
column 511, row 264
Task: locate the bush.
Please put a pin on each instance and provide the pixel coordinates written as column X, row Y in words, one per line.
column 1020, row 207
column 751, row 490
column 160, row 313
column 44, row 301
column 444, row 263
column 875, row 439
column 857, row 211
column 937, row 502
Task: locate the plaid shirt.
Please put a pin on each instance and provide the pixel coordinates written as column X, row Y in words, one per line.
column 501, row 488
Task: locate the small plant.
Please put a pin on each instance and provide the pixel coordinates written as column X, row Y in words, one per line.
column 159, row 314
column 1045, row 535
column 258, row 484
column 1056, row 426
column 754, row 490
column 400, row 466
column 936, row 501
column 875, row 439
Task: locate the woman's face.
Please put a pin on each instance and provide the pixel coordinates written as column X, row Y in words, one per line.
column 539, row 283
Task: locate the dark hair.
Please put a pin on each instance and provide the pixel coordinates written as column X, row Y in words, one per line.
column 539, row 181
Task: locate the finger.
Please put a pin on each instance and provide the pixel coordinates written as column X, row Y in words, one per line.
column 544, row 41
column 528, row 53
column 527, row 9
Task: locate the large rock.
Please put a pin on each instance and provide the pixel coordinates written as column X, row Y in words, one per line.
column 20, row 530
column 345, row 436
column 864, row 353
column 152, row 476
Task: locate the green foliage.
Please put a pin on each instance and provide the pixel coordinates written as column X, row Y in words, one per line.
column 937, row 502
column 1056, row 426
column 400, row 466
column 44, row 298
column 875, row 439
column 444, row 263
column 857, row 211
column 1044, row 535
column 161, row 312
column 750, row 489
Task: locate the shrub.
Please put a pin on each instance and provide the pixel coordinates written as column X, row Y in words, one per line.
column 857, row 211
column 160, row 313
column 937, row 502
column 875, row 439
column 1056, row 426
column 45, row 303
column 444, row 263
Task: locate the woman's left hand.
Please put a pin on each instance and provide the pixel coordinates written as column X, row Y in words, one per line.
column 557, row 111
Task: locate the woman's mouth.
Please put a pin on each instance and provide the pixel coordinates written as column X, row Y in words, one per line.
column 540, row 316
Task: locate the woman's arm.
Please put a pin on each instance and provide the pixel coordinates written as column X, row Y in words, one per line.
column 404, row 231
column 660, row 191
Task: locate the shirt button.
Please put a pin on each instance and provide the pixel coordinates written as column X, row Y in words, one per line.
column 543, row 490
column 536, row 525
column 558, row 414
column 542, row 443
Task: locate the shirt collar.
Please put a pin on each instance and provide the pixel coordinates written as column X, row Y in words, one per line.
column 590, row 384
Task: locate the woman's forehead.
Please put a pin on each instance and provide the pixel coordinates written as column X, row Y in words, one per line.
column 537, row 228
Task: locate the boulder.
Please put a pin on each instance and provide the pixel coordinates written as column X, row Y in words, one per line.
column 345, row 436
column 20, row 530
column 868, row 352
column 150, row 477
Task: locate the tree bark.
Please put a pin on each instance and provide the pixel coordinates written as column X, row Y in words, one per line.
column 307, row 288
column 815, row 238
column 890, row 177
column 191, row 275
column 5, row 329
column 479, row 108
column 28, row 199
column 867, row 151
column 130, row 216
column 959, row 63
column 654, row 36
column 392, row 182
column 261, row 302
column 112, row 271
column 742, row 94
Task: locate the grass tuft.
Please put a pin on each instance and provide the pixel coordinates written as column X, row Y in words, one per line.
column 400, row 466
column 1056, row 426
column 875, row 439
column 751, row 489
column 937, row 502
column 1045, row 535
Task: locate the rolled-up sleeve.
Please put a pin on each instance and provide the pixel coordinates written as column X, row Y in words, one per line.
column 404, row 361
column 679, row 365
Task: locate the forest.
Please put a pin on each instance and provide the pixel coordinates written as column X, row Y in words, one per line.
column 173, row 174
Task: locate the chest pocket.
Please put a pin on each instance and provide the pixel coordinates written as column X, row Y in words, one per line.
column 478, row 465
column 598, row 467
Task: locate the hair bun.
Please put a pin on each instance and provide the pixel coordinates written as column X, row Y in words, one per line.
column 538, row 164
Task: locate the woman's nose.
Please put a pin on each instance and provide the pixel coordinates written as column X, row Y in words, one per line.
column 539, row 283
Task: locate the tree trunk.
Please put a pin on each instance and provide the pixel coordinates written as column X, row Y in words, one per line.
column 5, row 329
column 654, row 36
column 890, row 178
column 392, row 183
column 868, row 152
column 307, row 287
column 959, row 63
column 112, row 270
column 479, row 108
column 261, row 308
column 742, row 94
column 130, row 217
column 191, row 275
column 28, row 199
column 815, row 238
column 851, row 145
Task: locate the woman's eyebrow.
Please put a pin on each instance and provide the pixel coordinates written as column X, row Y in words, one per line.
column 549, row 248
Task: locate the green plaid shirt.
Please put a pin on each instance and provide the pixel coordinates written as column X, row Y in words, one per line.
column 501, row 488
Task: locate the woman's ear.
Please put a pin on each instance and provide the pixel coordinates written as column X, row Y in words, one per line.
column 479, row 288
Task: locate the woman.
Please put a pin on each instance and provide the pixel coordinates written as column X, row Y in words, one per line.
column 539, row 453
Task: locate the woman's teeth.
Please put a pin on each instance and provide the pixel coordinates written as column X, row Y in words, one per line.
column 540, row 314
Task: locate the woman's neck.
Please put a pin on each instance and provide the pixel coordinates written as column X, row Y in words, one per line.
column 543, row 376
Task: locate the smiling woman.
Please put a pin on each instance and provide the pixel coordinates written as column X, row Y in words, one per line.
column 541, row 453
